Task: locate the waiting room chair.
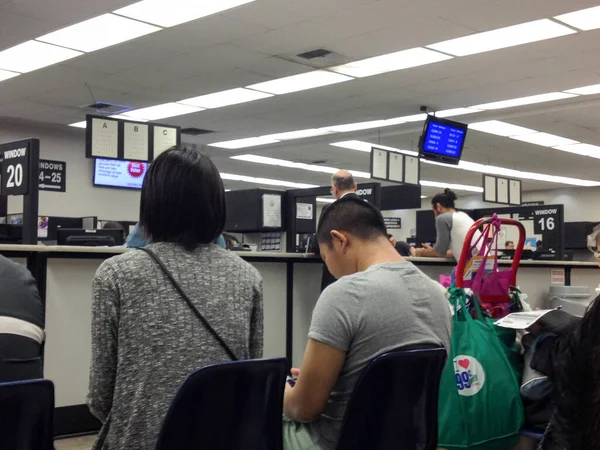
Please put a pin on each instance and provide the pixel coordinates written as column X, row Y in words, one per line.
column 27, row 415
column 230, row 406
column 394, row 405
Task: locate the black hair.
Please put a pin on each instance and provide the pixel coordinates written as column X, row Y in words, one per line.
column 446, row 199
column 183, row 199
column 343, row 183
column 113, row 225
column 509, row 242
column 352, row 215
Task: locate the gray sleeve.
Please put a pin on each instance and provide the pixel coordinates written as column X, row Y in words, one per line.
column 443, row 228
column 105, row 321
column 335, row 317
column 256, row 322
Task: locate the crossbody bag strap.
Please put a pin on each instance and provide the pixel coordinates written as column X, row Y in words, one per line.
column 189, row 302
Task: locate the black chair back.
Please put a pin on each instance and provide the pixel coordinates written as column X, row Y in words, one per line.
column 394, row 405
column 230, row 406
column 27, row 415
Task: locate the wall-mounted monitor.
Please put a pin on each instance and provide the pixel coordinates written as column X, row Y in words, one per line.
column 119, row 174
column 442, row 140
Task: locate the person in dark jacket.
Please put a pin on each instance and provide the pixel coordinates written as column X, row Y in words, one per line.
column 342, row 184
column 572, row 362
column 21, row 324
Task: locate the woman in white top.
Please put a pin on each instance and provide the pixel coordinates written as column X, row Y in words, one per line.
column 451, row 227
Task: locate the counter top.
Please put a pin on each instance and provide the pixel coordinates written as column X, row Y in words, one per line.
column 65, row 250
column 8, row 248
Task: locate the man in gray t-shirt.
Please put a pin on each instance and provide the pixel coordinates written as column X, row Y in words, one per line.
column 380, row 302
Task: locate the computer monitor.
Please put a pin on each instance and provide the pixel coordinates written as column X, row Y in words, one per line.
column 11, row 234
column 54, row 223
column 109, row 237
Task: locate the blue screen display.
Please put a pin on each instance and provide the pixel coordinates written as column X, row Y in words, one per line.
column 444, row 140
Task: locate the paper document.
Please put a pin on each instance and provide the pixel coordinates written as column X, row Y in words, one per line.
column 549, row 319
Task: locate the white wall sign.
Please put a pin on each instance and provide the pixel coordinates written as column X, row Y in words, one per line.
column 396, row 167
column 105, row 138
column 271, row 210
column 380, row 163
column 304, row 211
column 135, row 141
column 164, row 139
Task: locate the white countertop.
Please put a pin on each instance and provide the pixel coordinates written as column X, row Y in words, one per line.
column 119, row 250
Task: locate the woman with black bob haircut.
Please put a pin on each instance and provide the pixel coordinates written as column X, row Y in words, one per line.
column 178, row 304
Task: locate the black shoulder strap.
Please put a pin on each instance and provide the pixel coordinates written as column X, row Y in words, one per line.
column 189, row 302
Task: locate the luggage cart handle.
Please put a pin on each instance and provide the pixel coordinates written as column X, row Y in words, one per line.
column 465, row 253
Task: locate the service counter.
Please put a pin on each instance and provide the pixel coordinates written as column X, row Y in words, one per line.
column 291, row 286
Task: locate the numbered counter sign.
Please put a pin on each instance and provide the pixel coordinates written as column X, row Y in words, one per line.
column 545, row 220
column 15, row 169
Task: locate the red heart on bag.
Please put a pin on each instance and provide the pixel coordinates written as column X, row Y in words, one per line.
column 464, row 363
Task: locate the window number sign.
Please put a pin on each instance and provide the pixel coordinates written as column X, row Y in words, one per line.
column 15, row 171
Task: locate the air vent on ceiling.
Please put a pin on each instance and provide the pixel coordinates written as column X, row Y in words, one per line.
column 318, row 53
column 195, row 131
column 317, row 58
column 107, row 108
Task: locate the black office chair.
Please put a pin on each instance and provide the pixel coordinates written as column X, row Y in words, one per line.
column 27, row 415
column 230, row 406
column 394, row 405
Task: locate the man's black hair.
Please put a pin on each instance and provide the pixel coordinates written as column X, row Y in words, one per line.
column 183, row 199
column 352, row 215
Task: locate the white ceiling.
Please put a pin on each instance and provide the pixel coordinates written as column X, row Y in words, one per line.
column 241, row 46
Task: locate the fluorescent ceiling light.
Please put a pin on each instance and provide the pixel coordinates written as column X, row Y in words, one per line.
column 357, row 126
column 33, row 55
column 124, row 117
column 363, row 146
column 301, row 82
column 411, row 118
column 267, row 181
column 530, row 100
column 456, row 112
column 161, row 111
column 99, row 32
column 299, row 134
column 243, row 143
column 545, row 139
column 82, row 124
column 592, row 151
column 511, row 173
column 454, row 187
column 390, row 62
column 175, row 12
column 500, row 128
column 225, row 98
column 524, row 33
column 423, row 196
column 5, row 75
column 585, row 90
column 295, row 165
column 585, row 19
column 325, row 200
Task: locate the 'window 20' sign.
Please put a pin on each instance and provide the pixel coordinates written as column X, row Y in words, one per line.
column 15, row 170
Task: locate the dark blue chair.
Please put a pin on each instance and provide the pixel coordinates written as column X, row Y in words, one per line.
column 230, row 406
column 27, row 415
column 394, row 405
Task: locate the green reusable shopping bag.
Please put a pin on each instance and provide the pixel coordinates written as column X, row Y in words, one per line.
column 480, row 403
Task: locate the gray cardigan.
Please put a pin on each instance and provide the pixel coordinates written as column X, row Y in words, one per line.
column 146, row 340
